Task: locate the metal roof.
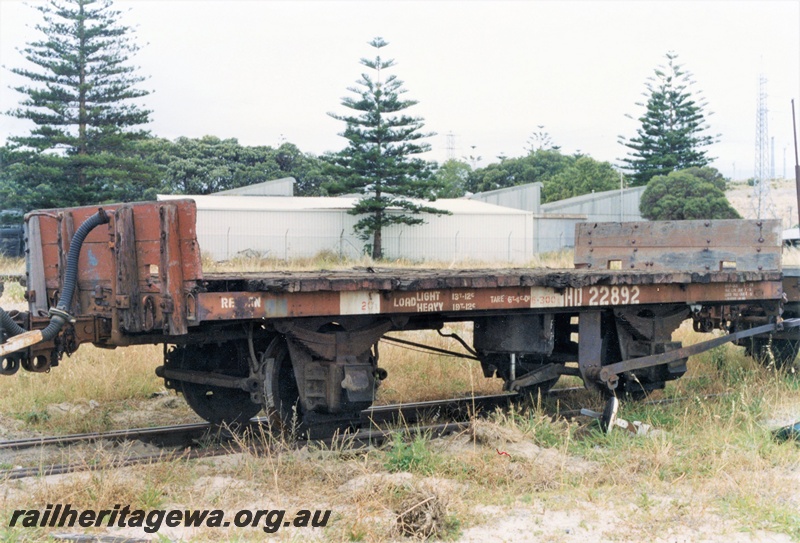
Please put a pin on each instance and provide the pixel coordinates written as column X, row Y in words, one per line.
column 506, row 190
column 276, row 187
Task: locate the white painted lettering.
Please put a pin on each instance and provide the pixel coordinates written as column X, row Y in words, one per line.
column 430, row 306
column 404, row 302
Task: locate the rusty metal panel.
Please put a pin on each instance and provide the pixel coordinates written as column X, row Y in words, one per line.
column 37, row 286
column 621, row 295
column 217, row 306
column 719, row 245
column 173, row 304
column 791, row 284
column 127, row 300
column 590, row 346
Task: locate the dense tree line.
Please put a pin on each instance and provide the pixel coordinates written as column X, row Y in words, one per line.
column 210, row 164
column 31, row 180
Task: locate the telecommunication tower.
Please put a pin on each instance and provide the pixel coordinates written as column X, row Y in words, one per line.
column 451, row 146
column 762, row 203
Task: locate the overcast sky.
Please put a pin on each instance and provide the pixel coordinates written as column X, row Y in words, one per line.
column 487, row 72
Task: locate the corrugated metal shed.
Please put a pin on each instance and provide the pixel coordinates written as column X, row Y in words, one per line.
column 276, row 187
column 298, row 227
column 611, row 205
column 554, row 223
column 526, row 197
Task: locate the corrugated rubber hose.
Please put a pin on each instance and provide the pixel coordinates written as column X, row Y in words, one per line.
column 59, row 315
column 8, row 324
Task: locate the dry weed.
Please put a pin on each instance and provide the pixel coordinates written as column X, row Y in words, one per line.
column 423, row 513
column 416, row 375
column 11, row 266
column 328, row 260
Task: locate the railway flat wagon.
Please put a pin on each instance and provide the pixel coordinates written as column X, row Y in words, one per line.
column 307, row 342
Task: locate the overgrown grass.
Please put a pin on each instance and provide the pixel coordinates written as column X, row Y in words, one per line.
column 95, row 389
column 412, row 455
column 11, row 266
column 416, row 375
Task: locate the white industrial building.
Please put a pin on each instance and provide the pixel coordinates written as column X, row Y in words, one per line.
column 300, row 227
column 508, row 224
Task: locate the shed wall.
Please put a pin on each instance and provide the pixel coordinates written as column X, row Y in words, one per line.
column 554, row 232
column 463, row 237
column 277, row 187
column 612, row 205
column 526, row 197
column 494, row 235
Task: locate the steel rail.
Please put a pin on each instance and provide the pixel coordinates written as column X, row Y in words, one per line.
column 60, row 469
column 355, row 441
column 114, row 435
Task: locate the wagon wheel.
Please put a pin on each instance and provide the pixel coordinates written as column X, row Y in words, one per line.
column 283, row 385
column 217, row 405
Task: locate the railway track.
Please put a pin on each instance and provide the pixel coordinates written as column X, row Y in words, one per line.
column 163, row 435
column 204, row 440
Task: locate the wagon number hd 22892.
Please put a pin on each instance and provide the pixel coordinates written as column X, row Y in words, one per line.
column 613, row 295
